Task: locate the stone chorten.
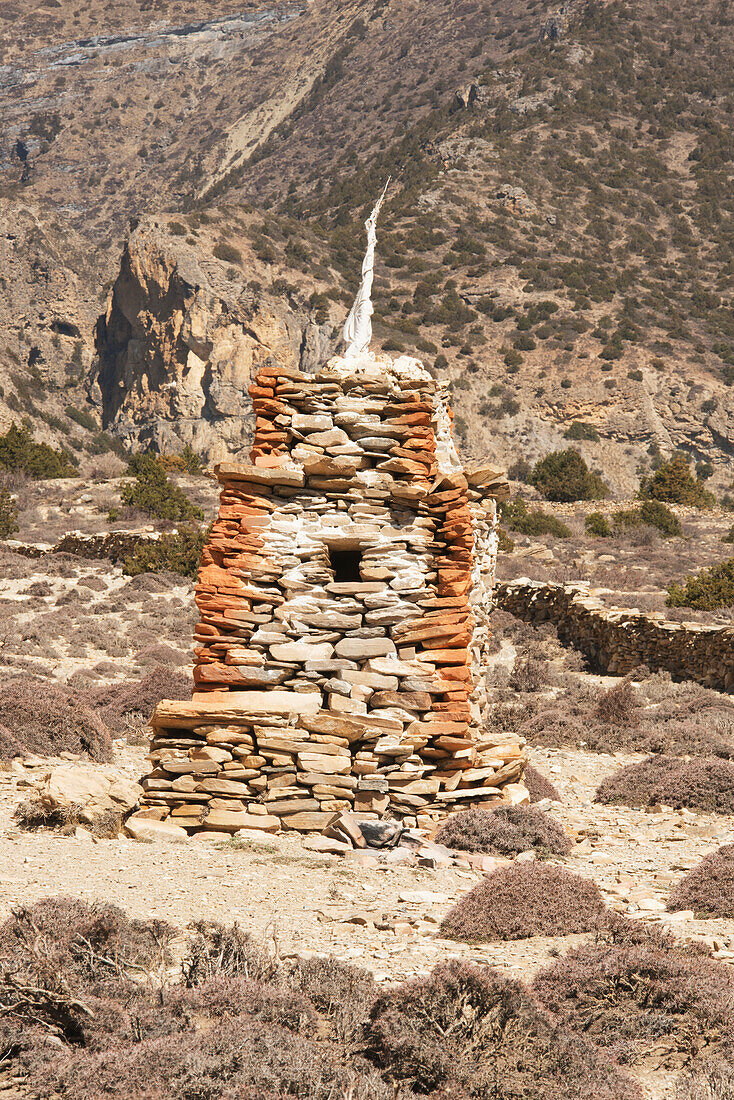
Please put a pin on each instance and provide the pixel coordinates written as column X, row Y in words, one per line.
column 344, row 597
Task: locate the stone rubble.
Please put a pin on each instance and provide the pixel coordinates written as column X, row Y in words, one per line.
column 344, row 597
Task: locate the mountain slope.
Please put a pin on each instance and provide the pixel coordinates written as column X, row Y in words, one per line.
column 558, row 239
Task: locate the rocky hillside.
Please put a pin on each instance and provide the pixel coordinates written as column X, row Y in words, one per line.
column 557, row 241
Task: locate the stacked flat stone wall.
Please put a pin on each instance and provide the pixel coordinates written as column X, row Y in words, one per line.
column 617, row 640
column 318, row 692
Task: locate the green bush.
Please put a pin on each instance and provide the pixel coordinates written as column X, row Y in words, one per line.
column 581, row 430
column 597, row 525
column 228, row 253
column 187, row 462
column 176, row 553
column 505, row 544
column 517, row 518
column 651, row 513
column 564, row 476
column 674, row 483
column 8, row 514
column 707, row 590
column 82, row 417
column 729, row 536
column 19, row 451
column 154, row 494
column 520, row 470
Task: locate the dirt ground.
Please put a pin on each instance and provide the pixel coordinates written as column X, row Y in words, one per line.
column 383, row 918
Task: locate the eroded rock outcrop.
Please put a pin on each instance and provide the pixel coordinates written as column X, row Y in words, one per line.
column 184, row 334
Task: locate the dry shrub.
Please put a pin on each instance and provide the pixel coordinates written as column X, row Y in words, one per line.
column 643, row 998
column 657, row 716
column 466, row 1031
column 709, row 888
column 706, row 785
column 48, row 719
column 34, row 813
column 539, row 787
column 505, row 831
column 122, row 705
column 713, row 1079
column 66, row 943
column 523, row 900
column 532, row 674
column 232, row 1058
column 341, row 992
column 215, row 949
column 87, row 1010
column 618, row 705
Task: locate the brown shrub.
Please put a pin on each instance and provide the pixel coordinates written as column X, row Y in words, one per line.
column 121, row 705
column 709, row 888
column 238, row 1058
column 618, row 705
column 48, row 718
column 215, row 949
column 528, row 899
column 341, row 992
column 706, row 785
column 78, row 1019
column 678, row 719
column 466, row 1031
column 504, row 832
column 642, row 996
column 712, row 1079
column 539, row 787
column 532, row 674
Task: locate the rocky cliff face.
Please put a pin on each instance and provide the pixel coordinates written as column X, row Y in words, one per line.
column 50, row 298
column 183, row 335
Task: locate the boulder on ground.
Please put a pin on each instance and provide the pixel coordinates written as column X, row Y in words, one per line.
column 140, row 827
column 86, row 792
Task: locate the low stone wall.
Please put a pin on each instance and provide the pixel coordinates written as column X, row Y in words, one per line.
column 115, row 545
column 618, row 640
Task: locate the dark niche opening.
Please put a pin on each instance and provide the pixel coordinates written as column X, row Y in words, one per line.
column 346, row 565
